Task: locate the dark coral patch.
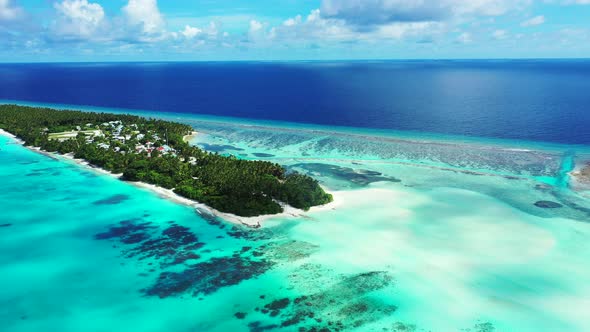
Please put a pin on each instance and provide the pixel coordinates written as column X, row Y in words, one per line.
column 135, row 238
column 170, row 284
column 263, row 155
column 316, row 329
column 401, row 327
column 207, row 277
column 258, row 327
column 182, row 258
column 127, row 231
column 115, row 199
column 174, row 246
column 180, row 234
column 359, row 177
column 240, row 315
column 219, row 147
column 346, row 305
column 548, row 205
column 210, row 218
column 483, row 327
column 278, row 304
column 195, row 272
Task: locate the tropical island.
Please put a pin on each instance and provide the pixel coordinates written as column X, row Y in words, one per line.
column 153, row 151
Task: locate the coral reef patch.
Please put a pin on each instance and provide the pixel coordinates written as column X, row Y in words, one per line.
column 358, row 177
column 115, row 199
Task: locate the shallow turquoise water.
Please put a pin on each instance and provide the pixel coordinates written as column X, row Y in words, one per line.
column 422, row 237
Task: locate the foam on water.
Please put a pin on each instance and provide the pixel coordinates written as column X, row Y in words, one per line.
column 424, row 235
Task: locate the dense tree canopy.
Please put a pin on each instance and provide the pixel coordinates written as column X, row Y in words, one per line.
column 226, row 183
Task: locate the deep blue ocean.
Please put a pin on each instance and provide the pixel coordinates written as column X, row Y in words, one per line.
column 541, row 100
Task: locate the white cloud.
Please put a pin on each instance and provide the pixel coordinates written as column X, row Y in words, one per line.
column 78, row 18
column 376, row 12
column 567, row 2
column 368, row 12
column 315, row 27
column 190, row 32
column 192, row 36
column 500, row 34
column 465, row 38
column 537, row 20
column 256, row 31
column 255, row 26
column 293, row 21
column 422, row 30
column 486, row 7
column 9, row 11
column 212, row 30
column 146, row 14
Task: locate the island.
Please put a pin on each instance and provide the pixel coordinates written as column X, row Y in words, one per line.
column 153, row 151
column 580, row 177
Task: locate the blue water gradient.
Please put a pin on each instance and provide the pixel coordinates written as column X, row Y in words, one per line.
column 418, row 224
column 434, row 228
column 542, row 100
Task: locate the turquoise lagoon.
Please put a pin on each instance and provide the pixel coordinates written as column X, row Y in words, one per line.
column 427, row 233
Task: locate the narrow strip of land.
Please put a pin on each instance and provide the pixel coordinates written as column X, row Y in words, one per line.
column 155, row 152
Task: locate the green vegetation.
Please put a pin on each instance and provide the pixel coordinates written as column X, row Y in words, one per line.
column 153, row 151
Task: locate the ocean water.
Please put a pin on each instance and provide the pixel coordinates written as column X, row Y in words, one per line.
column 439, row 170
column 428, row 233
column 541, row 100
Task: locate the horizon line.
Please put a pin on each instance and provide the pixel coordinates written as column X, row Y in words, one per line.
column 303, row 60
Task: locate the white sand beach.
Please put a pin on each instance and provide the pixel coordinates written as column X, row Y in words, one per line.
column 190, row 137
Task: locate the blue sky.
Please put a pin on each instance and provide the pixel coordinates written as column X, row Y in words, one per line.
column 192, row 30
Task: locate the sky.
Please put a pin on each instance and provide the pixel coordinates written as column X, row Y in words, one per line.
column 209, row 30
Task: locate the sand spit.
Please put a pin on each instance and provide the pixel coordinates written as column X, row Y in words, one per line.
column 7, row 134
column 188, row 138
column 580, row 176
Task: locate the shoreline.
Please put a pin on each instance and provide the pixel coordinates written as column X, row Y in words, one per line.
column 9, row 135
column 188, row 138
column 580, row 177
column 202, row 209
